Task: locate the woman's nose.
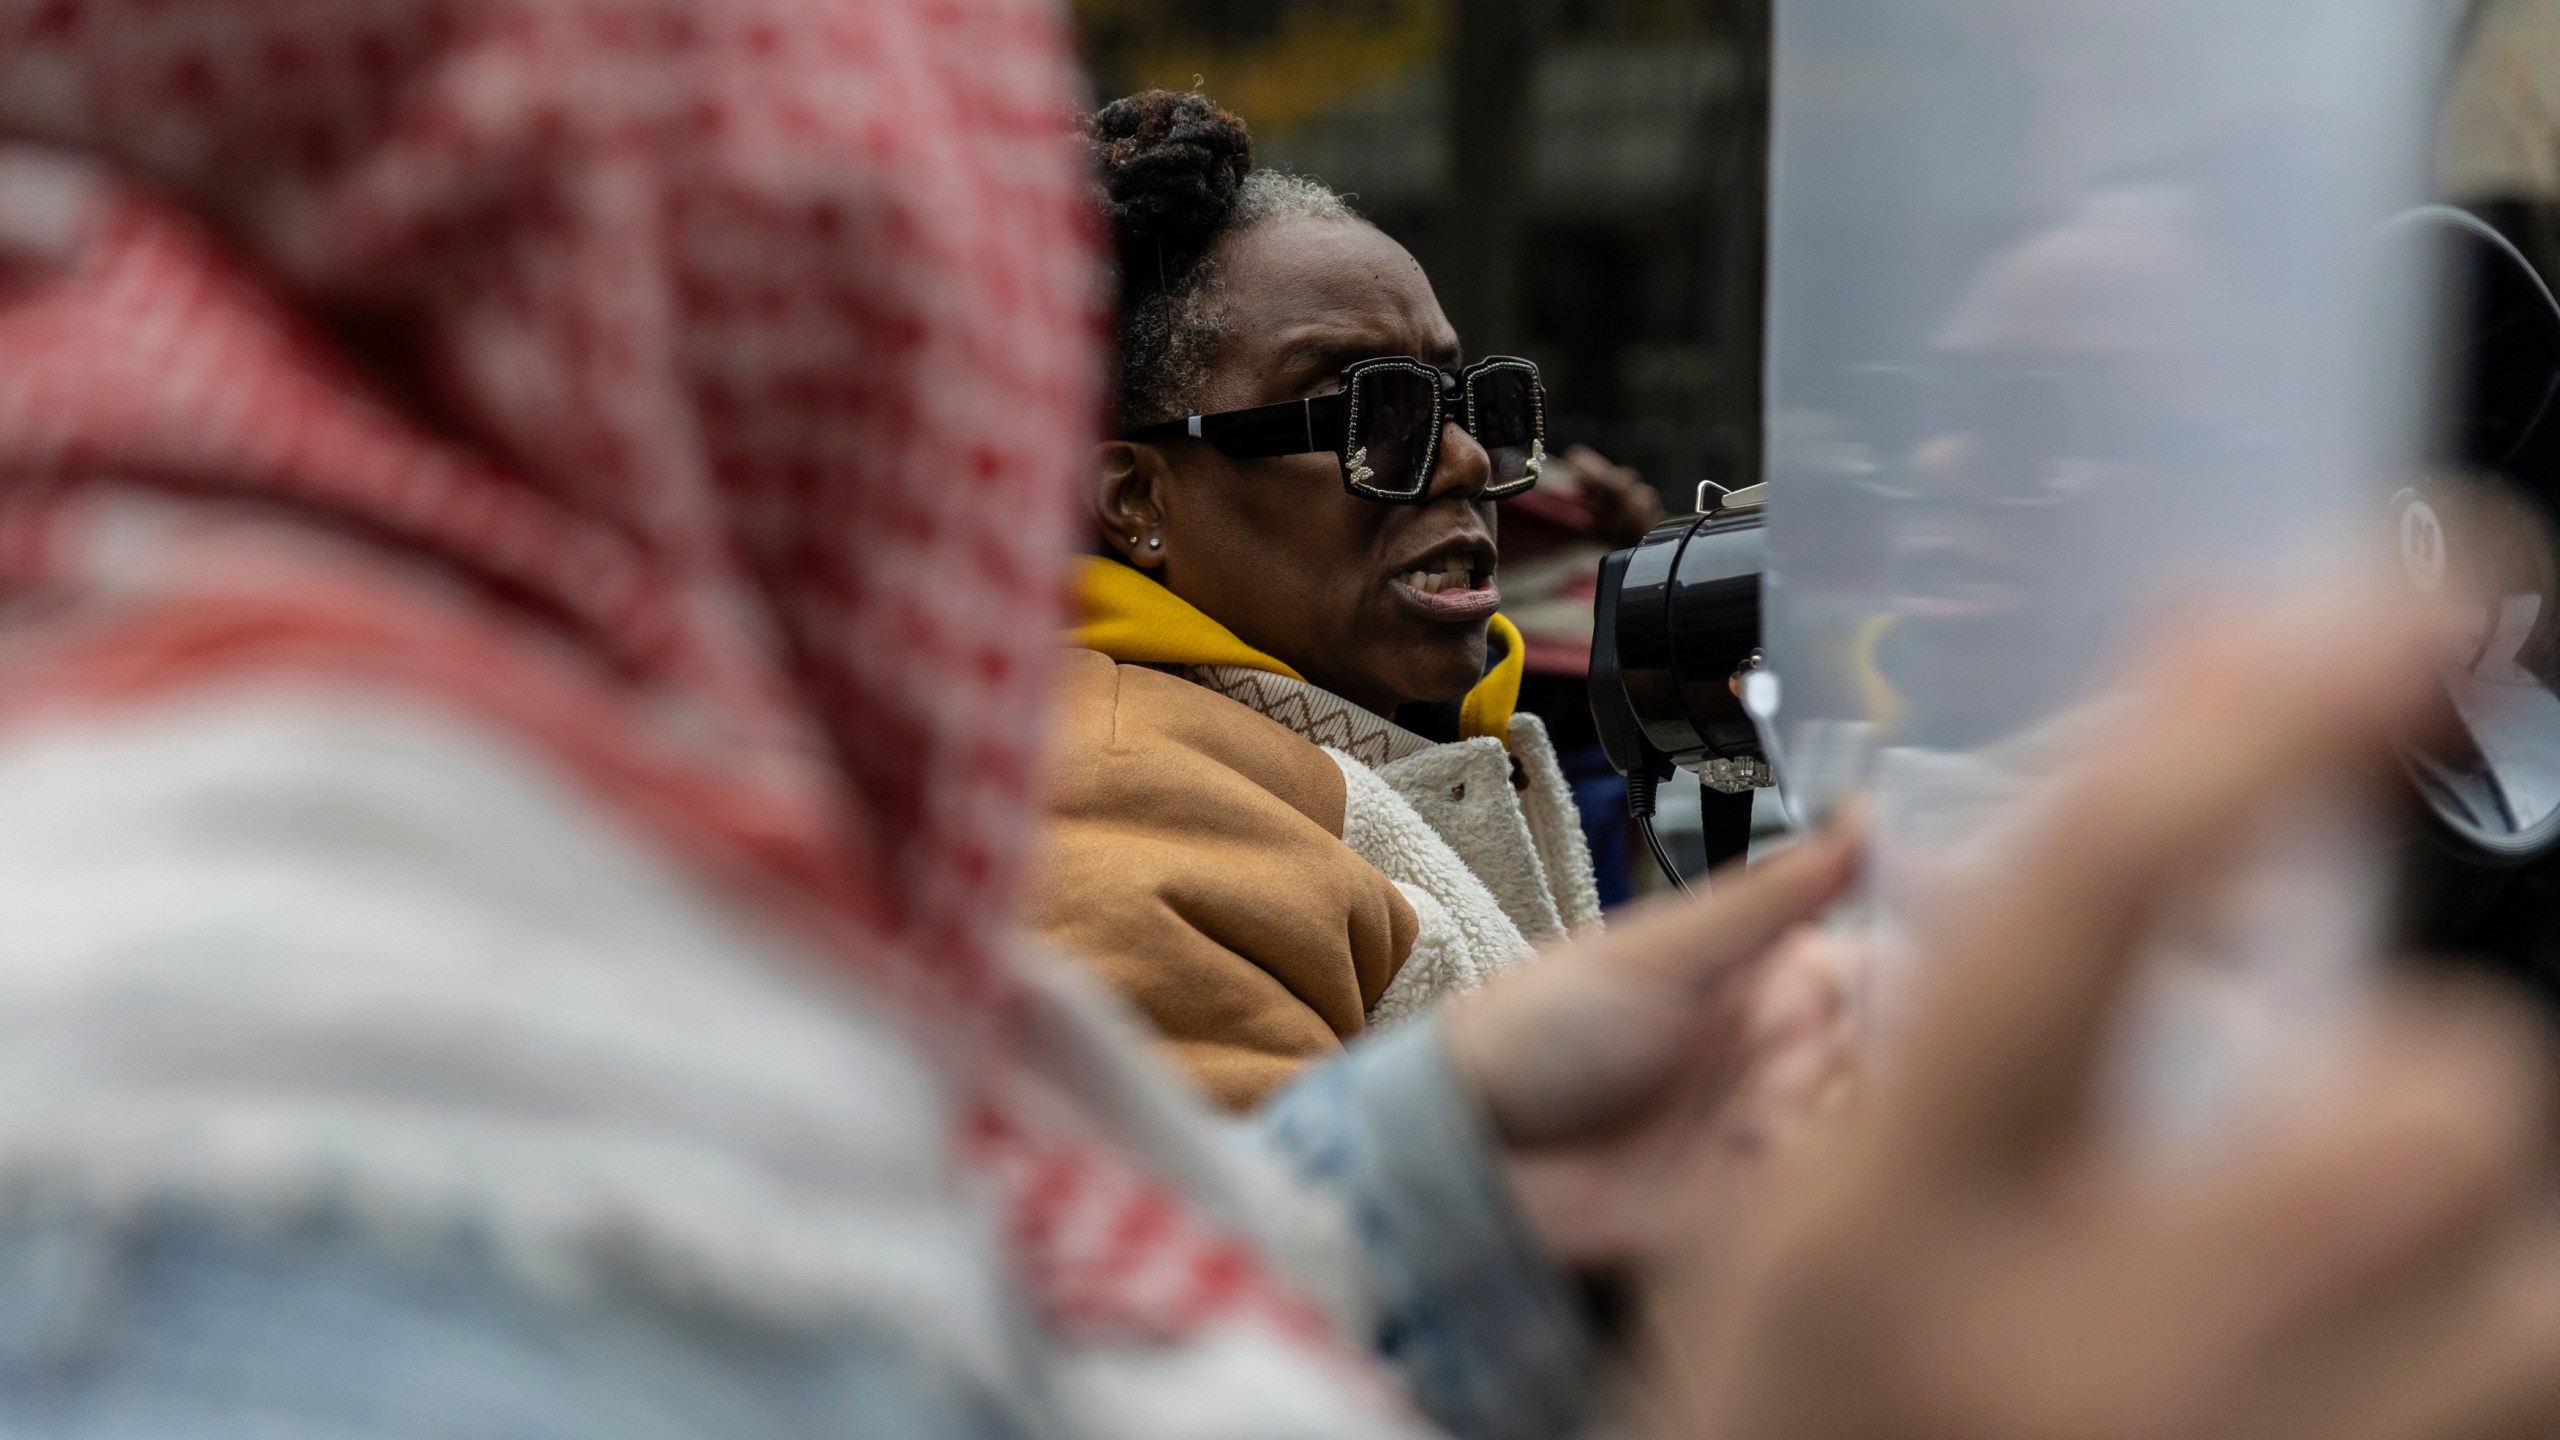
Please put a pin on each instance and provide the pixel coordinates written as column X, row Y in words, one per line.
column 1463, row 468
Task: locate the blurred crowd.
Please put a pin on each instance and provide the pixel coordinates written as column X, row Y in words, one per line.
column 719, row 718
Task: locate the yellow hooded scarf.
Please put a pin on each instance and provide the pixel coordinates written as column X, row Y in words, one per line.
column 1136, row 621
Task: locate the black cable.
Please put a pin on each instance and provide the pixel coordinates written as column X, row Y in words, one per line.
column 1641, row 788
column 1662, row 856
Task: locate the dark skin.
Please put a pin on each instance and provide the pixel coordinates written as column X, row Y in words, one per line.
column 1275, row 549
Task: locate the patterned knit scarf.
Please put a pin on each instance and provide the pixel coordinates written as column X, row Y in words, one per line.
column 692, row 385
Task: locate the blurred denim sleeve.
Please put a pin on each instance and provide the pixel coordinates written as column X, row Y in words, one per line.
column 165, row 1323
column 1487, row 1333
column 209, row 1330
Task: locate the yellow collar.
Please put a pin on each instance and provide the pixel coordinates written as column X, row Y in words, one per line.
column 1136, row 621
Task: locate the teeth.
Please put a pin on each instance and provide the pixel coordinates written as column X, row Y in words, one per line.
column 1453, row 574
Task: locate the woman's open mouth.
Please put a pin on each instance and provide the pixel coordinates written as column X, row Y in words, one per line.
column 1455, row 587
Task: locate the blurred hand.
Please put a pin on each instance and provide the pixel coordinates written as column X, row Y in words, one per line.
column 1965, row 1252
column 1630, row 1076
column 1622, row 506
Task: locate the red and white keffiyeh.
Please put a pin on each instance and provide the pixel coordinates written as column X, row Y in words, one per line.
column 694, row 385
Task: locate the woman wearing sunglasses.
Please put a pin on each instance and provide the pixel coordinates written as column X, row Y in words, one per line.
column 1295, row 801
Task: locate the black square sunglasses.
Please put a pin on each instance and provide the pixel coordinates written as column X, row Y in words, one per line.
column 1384, row 424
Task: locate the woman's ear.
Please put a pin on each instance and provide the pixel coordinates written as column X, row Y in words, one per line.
column 1129, row 483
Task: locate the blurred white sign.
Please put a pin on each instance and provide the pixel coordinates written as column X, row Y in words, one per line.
column 2075, row 311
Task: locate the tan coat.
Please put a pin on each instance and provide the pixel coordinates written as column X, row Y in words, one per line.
column 1262, row 897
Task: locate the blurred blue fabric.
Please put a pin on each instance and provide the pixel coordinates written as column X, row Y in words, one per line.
column 179, row 1322
column 1600, row 797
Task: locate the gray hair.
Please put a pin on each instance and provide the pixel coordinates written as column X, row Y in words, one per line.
column 1169, row 340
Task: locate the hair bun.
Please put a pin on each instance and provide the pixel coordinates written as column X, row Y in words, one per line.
column 1172, row 167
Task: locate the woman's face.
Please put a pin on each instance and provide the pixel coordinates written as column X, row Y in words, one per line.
column 1275, row 549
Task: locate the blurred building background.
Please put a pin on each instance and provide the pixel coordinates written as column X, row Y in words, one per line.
column 1584, row 180
column 2498, row 134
